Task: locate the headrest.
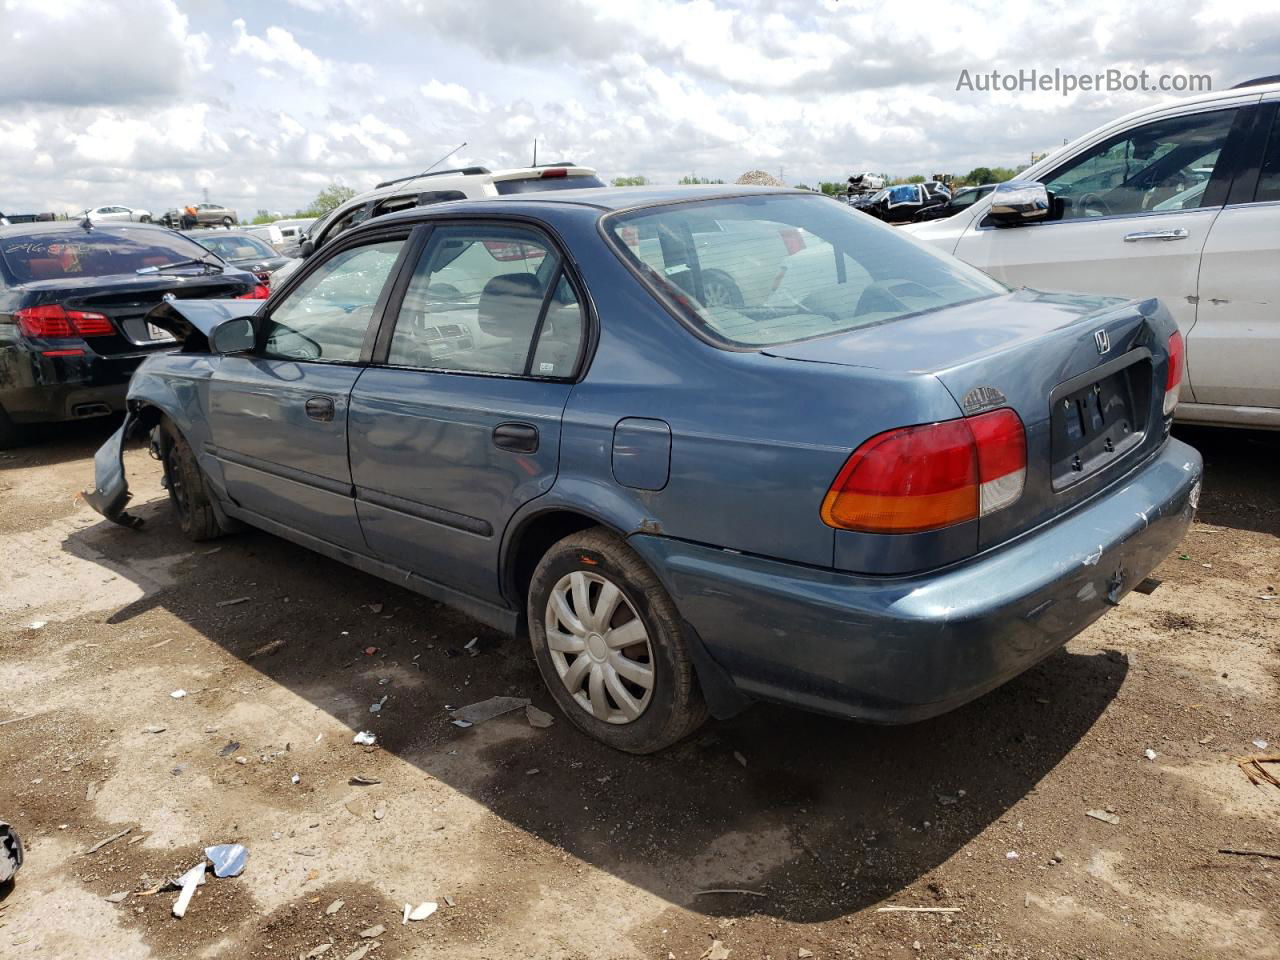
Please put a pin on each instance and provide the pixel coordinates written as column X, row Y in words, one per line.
column 509, row 304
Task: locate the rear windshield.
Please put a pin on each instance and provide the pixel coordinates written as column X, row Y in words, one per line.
column 759, row 271
column 33, row 257
column 233, row 247
column 536, row 184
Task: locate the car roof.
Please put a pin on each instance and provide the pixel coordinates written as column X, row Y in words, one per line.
column 606, row 199
column 67, row 226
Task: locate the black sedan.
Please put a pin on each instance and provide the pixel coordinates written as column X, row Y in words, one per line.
column 242, row 250
column 73, row 303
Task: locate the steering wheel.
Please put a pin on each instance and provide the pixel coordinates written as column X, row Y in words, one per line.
column 1088, row 200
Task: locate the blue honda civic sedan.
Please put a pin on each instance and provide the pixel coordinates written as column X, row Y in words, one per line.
column 702, row 445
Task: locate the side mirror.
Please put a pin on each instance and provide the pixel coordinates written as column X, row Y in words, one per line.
column 306, row 248
column 1020, row 201
column 236, row 335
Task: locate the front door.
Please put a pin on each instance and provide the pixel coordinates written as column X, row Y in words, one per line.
column 456, row 424
column 1138, row 208
column 278, row 416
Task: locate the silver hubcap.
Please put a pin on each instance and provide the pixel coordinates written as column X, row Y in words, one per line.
column 716, row 294
column 599, row 647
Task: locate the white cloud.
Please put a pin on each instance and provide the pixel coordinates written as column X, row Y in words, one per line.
column 277, row 45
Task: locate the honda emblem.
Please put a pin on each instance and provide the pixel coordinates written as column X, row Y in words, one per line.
column 1102, row 340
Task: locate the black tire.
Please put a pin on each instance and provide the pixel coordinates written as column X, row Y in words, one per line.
column 145, row 219
column 11, row 435
column 185, row 483
column 719, row 290
column 675, row 707
column 227, row 222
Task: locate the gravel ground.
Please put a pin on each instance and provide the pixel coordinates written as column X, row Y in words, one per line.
column 540, row 843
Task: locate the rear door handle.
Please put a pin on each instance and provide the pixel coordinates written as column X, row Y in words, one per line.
column 517, row 437
column 320, row 408
column 1180, row 233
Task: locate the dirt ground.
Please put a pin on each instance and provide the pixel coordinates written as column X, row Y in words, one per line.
column 539, row 843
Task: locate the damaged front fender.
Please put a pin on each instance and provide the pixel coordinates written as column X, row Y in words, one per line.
column 110, row 493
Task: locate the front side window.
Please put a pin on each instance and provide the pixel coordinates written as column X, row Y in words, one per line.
column 1164, row 165
column 325, row 317
column 765, row 270
column 489, row 299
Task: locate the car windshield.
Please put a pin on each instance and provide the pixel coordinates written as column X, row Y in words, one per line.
column 237, row 247
column 763, row 270
column 539, row 183
column 94, row 253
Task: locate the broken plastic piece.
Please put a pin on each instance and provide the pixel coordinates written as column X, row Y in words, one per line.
column 365, row 739
column 228, row 859
column 334, row 907
column 538, row 718
column 488, row 709
column 188, row 881
column 1150, row 754
column 423, row 910
column 178, row 694
column 1104, row 816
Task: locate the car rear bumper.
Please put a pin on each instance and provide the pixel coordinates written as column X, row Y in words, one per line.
column 35, row 388
column 897, row 650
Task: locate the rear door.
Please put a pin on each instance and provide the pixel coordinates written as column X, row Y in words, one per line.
column 278, row 416
column 456, row 424
column 1234, row 351
column 1139, row 205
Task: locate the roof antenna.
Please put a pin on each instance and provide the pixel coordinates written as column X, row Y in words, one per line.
column 443, row 159
column 535, row 152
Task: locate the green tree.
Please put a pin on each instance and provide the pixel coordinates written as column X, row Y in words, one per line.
column 334, row 195
column 831, row 189
column 980, row 175
column 692, row 180
column 263, row 216
column 629, row 181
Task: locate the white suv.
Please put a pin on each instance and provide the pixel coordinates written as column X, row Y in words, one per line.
column 465, row 183
column 1179, row 201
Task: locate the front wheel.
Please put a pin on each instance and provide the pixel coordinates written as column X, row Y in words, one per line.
column 187, row 493
column 611, row 646
column 227, row 221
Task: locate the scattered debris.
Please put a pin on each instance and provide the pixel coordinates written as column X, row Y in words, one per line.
column 740, row 758
column 461, row 724
column 228, row 859
column 405, row 918
column 37, row 624
column 233, row 602
column 377, row 707
column 365, row 738
column 111, row 839
column 296, row 779
column 917, row 910
column 370, row 651
column 359, row 780
column 488, row 709
column 1207, row 738
column 380, row 812
column 470, row 646
column 267, row 649
column 745, row 893
column 178, row 694
column 1104, row 816
column 717, row 951
column 359, row 952
column 538, row 718
column 91, row 790
column 231, row 747
column 448, row 901
column 1150, row 754
column 1011, row 855
column 1251, row 853
column 803, row 954
column 117, row 897
column 1252, row 768
column 334, row 907
column 320, row 951
column 423, row 910
column 1261, row 744
column 29, row 716
column 188, row 881
column 532, row 772
column 374, row 931
column 154, row 728
column 375, row 607
column 242, row 760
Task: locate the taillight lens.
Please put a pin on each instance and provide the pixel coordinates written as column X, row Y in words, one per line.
column 1173, row 379
column 260, row 291
column 553, row 172
column 923, row 478
column 53, row 321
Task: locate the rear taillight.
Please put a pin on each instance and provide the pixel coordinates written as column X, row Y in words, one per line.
column 259, row 292
column 922, row 478
column 53, row 321
column 554, row 172
column 1173, row 379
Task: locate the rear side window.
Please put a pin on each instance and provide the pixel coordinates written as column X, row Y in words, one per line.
column 489, row 299
column 1269, row 176
column 536, row 184
column 94, row 253
column 765, row 270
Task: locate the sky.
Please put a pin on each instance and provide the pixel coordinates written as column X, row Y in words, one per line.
column 149, row 103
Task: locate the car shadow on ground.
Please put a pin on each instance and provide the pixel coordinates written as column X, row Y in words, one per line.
column 820, row 816
column 54, row 443
column 1239, row 476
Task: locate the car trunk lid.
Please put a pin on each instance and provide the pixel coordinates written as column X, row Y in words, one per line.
column 1081, row 373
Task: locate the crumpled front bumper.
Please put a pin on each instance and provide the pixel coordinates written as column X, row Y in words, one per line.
column 110, row 492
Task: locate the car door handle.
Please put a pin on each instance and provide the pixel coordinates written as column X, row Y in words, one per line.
column 517, row 437
column 320, row 408
column 1181, row 233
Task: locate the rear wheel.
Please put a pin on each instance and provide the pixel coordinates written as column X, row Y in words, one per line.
column 718, row 290
column 186, row 487
column 611, row 646
column 227, row 221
